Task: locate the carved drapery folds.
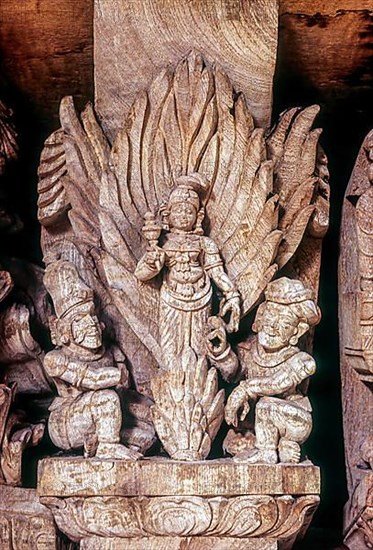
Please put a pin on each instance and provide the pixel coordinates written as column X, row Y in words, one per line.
column 356, row 339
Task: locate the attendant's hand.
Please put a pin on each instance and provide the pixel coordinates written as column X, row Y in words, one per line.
column 124, row 382
column 238, row 399
column 217, row 337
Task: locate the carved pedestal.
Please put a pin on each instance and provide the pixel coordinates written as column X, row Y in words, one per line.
column 161, row 504
column 25, row 523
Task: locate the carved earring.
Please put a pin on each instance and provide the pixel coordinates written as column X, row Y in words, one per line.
column 302, row 329
column 64, row 339
column 293, row 340
column 60, row 332
column 165, row 213
column 53, row 329
column 258, row 318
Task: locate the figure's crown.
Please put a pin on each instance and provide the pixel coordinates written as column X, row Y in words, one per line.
column 189, row 188
column 66, row 288
column 287, row 291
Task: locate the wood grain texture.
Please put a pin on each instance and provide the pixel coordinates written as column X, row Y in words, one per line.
column 25, row 523
column 134, row 40
column 178, row 543
column 329, row 7
column 156, row 477
column 192, row 517
column 356, row 330
column 341, row 39
column 47, row 47
column 47, row 52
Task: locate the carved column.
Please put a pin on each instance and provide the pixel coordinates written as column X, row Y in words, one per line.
column 356, row 346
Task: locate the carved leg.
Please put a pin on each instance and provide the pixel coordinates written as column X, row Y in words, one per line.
column 267, row 436
column 280, row 425
column 107, row 418
column 298, row 425
column 92, row 416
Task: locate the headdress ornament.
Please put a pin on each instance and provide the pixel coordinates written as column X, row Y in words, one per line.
column 188, row 188
column 66, row 288
column 287, row 291
column 293, row 293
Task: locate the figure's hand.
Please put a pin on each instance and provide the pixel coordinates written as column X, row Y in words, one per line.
column 155, row 258
column 217, row 337
column 238, row 399
column 232, row 306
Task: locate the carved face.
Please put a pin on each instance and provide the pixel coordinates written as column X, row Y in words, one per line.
column 183, row 216
column 86, row 329
column 277, row 327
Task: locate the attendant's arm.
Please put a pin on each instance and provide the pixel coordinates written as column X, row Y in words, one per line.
column 297, row 369
column 81, row 376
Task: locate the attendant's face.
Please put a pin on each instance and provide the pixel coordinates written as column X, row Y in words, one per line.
column 276, row 327
column 86, row 329
column 183, row 216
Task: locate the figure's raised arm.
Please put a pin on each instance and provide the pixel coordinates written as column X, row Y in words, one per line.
column 150, row 264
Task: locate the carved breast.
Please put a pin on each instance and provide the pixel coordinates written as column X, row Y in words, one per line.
column 184, row 261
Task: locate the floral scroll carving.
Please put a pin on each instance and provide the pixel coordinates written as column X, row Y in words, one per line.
column 257, row 516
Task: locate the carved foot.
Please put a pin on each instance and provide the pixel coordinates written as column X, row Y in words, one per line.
column 237, row 442
column 257, row 456
column 289, row 451
column 116, row 450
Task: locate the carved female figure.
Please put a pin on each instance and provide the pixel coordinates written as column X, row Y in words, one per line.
column 191, row 262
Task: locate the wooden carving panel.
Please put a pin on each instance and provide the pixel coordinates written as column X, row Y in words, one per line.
column 356, row 339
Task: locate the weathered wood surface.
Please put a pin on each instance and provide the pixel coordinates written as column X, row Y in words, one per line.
column 356, row 342
column 46, row 52
column 47, row 49
column 324, row 7
column 156, row 477
column 240, row 37
column 164, row 502
column 358, row 532
column 25, row 523
column 340, row 33
column 178, row 543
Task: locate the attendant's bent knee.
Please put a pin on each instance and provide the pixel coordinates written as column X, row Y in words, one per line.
column 106, row 399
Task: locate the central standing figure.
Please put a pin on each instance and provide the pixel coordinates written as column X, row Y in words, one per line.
column 190, row 261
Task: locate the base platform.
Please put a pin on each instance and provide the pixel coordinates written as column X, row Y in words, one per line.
column 165, row 504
